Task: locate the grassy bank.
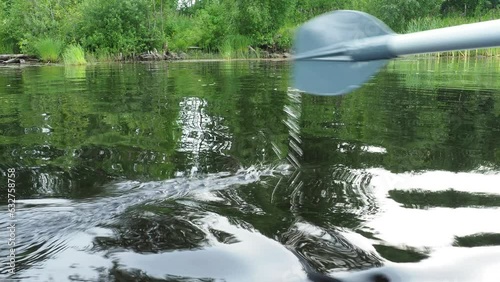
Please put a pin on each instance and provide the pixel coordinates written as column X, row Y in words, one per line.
column 125, row 29
column 240, row 47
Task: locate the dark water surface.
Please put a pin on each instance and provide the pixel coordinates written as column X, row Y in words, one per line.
column 217, row 171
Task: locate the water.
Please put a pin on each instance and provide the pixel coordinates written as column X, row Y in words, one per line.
column 215, row 171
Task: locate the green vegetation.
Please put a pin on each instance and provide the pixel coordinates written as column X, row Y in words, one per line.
column 48, row 49
column 74, row 55
column 232, row 29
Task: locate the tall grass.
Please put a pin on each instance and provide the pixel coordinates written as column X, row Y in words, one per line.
column 48, row 49
column 235, row 47
column 74, row 55
column 5, row 48
column 104, row 55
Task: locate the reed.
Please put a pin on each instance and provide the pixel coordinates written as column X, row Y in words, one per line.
column 74, row 55
column 103, row 55
column 91, row 58
column 6, row 48
column 48, row 49
column 236, row 47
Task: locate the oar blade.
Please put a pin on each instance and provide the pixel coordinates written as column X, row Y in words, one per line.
column 333, row 77
column 337, row 74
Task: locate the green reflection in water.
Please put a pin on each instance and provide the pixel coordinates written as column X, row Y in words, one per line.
column 450, row 198
column 72, row 133
column 481, row 239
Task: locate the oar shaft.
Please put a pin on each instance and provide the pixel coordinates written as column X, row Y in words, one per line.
column 462, row 37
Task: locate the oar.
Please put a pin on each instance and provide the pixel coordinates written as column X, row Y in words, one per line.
column 337, row 52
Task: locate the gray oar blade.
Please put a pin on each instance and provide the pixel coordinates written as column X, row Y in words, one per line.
column 333, row 78
column 336, row 73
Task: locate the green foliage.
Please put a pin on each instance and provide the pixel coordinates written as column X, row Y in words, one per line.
column 180, row 33
column 396, row 13
column 213, row 24
column 74, row 55
column 261, row 20
column 48, row 49
column 108, row 28
column 4, row 46
column 284, row 37
column 468, row 7
column 117, row 26
column 26, row 21
column 306, row 9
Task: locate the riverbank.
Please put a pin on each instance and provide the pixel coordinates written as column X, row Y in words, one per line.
column 12, row 59
column 30, row 60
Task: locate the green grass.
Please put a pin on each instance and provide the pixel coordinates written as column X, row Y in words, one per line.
column 226, row 50
column 236, row 47
column 90, row 58
column 104, row 55
column 6, row 48
column 48, row 49
column 74, row 55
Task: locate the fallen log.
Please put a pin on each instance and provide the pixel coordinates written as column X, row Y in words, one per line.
column 6, row 57
column 15, row 61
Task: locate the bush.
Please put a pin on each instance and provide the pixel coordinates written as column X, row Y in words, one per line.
column 118, row 26
column 214, row 24
column 284, row 38
column 74, row 55
column 48, row 49
column 181, row 32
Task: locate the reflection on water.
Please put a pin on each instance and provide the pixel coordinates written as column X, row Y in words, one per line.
column 437, row 226
column 217, row 171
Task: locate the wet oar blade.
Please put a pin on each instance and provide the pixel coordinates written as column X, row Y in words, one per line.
column 337, row 52
column 338, row 74
column 324, row 77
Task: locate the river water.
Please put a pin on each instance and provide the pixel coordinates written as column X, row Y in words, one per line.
column 219, row 171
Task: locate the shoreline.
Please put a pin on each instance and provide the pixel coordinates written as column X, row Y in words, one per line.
column 23, row 60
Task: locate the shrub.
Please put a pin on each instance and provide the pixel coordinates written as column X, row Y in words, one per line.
column 118, row 26
column 284, row 38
